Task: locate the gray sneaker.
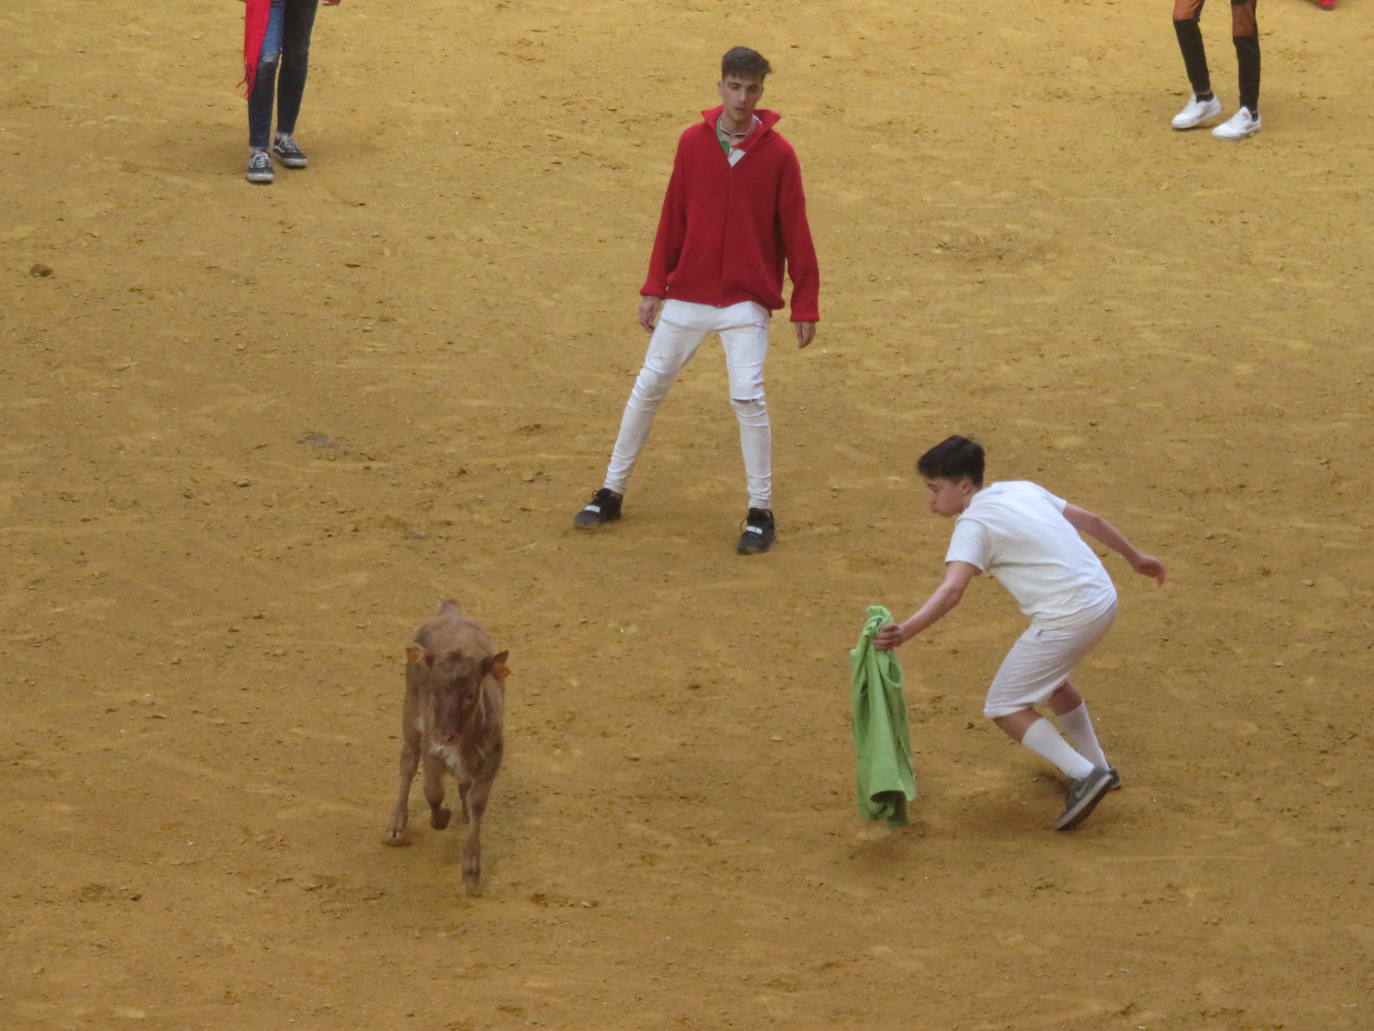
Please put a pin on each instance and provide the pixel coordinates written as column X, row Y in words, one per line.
column 1115, row 783
column 260, row 168
column 284, row 149
column 1082, row 798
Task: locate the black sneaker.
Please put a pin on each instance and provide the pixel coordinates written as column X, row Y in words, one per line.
column 1082, row 799
column 1114, row 784
column 284, row 149
column 758, row 534
column 604, row 507
column 260, row 168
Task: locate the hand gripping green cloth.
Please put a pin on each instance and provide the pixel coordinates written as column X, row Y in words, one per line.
column 882, row 739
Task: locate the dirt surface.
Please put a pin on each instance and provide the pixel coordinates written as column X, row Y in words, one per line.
column 251, row 435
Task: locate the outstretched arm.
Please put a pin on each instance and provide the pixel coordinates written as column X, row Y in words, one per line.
column 1099, row 529
column 941, row 600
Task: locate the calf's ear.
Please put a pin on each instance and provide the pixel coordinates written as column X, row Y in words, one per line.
column 496, row 666
column 415, row 654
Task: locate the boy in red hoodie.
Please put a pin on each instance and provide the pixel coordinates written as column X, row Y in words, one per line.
column 733, row 217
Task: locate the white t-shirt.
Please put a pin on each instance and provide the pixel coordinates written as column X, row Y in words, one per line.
column 1017, row 532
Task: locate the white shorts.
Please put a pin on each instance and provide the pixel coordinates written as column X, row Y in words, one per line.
column 1041, row 659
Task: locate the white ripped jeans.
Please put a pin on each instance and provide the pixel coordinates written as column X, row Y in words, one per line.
column 681, row 328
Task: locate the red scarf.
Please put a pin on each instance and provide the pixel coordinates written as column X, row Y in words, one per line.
column 255, row 16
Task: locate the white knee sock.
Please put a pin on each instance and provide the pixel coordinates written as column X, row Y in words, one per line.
column 1042, row 739
column 1079, row 726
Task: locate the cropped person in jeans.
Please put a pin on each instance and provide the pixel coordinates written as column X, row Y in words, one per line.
column 276, row 36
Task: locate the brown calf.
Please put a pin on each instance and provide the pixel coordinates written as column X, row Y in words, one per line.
column 455, row 697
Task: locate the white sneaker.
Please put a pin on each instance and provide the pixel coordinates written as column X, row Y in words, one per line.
column 1238, row 126
column 1195, row 112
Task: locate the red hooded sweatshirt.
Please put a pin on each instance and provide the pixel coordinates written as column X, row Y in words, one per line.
column 726, row 232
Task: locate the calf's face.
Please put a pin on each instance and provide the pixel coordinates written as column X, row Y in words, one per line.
column 455, row 689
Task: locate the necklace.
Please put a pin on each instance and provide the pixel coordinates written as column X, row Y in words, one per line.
column 720, row 125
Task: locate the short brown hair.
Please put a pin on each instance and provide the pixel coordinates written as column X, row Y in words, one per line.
column 744, row 63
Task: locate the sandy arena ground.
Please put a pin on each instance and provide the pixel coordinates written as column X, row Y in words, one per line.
column 252, row 435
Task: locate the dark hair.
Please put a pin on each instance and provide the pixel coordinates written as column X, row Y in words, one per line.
column 744, row 63
column 953, row 458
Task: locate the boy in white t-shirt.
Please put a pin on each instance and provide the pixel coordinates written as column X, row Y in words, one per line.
column 1028, row 539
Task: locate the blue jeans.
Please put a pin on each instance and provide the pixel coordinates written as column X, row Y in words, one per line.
column 286, row 46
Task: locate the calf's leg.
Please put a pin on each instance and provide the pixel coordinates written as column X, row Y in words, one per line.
column 476, row 800
column 410, row 753
column 410, row 759
column 434, row 792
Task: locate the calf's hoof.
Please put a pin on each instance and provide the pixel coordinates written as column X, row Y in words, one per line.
column 473, row 883
column 438, row 818
column 396, row 831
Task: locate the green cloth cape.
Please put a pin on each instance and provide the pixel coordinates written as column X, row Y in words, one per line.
column 885, row 779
